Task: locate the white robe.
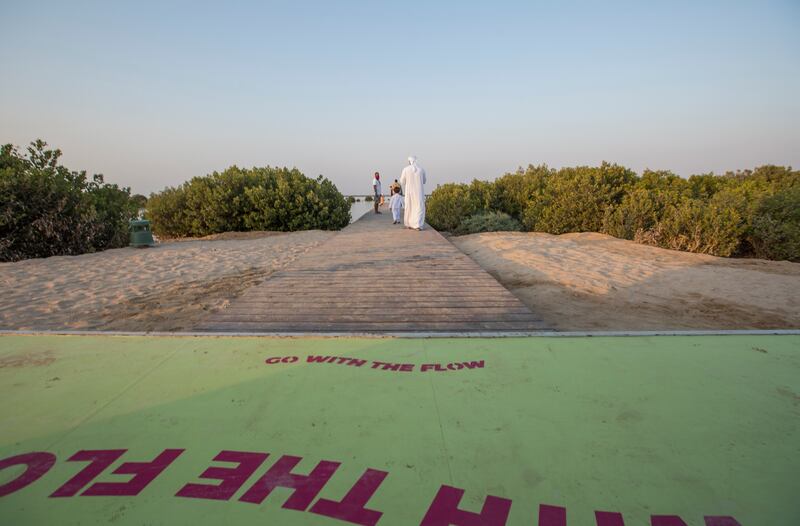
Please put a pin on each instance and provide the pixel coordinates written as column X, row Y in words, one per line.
column 413, row 180
column 395, row 204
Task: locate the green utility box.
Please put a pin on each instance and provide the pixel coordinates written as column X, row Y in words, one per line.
column 141, row 236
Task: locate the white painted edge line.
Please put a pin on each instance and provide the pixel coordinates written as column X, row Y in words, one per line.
column 421, row 334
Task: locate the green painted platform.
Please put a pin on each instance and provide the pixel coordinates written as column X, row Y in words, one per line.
column 652, row 430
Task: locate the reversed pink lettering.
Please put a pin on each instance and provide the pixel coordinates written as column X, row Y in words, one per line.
column 306, row 487
column 36, row 465
column 352, row 508
column 721, row 521
column 391, row 366
column 455, row 366
column 232, row 478
column 666, row 520
column 143, row 474
column 99, row 460
column 407, row 367
column 376, row 364
column 608, row 518
column 552, row 515
column 444, row 511
column 474, row 365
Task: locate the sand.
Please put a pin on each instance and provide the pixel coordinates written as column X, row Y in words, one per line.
column 591, row 281
column 169, row 287
column 574, row 282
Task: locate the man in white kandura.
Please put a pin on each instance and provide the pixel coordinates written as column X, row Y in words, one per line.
column 412, row 179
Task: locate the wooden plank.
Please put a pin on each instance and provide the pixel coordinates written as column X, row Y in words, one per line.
column 377, row 322
column 376, row 328
column 372, row 277
column 343, row 297
column 300, row 304
column 398, row 317
column 432, row 289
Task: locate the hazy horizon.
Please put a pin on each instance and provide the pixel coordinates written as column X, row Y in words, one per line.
column 151, row 95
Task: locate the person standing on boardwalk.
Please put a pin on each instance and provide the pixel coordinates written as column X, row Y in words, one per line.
column 395, row 204
column 413, row 180
column 376, row 190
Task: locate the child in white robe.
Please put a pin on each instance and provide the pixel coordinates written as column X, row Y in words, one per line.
column 396, row 203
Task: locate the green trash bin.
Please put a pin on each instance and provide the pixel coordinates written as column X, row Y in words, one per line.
column 141, row 236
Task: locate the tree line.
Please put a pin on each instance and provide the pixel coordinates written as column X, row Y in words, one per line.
column 239, row 199
column 744, row 213
column 47, row 209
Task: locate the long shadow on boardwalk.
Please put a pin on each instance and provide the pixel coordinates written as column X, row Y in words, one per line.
column 374, row 276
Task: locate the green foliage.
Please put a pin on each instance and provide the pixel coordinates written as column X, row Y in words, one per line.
column 450, row 204
column 139, row 201
column 114, row 208
column 514, row 192
column 645, row 204
column 776, row 226
column 577, row 199
column 168, row 212
column 713, row 227
column 713, row 214
column 48, row 210
column 242, row 200
column 777, row 178
column 351, row 199
column 488, row 222
column 750, row 212
column 481, row 194
column 368, row 199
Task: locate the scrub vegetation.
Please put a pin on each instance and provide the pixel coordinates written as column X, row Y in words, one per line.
column 240, row 200
column 48, row 210
column 488, row 222
column 744, row 213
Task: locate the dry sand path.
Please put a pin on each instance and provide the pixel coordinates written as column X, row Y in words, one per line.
column 592, row 281
column 572, row 282
column 164, row 288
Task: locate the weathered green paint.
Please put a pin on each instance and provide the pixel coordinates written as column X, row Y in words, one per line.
column 141, row 236
column 687, row 426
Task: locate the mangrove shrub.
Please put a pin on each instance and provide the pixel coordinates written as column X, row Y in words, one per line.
column 48, row 210
column 248, row 199
column 744, row 213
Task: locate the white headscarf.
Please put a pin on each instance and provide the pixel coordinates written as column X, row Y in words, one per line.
column 412, row 159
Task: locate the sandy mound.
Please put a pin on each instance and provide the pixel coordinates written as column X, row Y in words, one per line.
column 596, row 282
column 253, row 234
column 164, row 288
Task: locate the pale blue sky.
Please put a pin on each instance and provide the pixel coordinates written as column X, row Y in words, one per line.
column 153, row 93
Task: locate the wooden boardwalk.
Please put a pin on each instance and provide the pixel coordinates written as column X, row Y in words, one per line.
column 375, row 277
